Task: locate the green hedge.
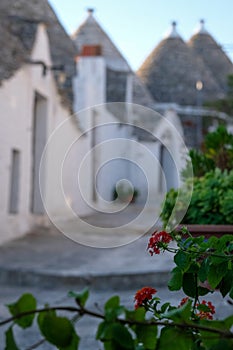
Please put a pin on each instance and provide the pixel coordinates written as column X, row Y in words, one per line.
column 211, row 203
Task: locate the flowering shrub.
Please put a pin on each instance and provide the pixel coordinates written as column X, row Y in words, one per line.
column 158, row 241
column 202, row 266
column 143, row 296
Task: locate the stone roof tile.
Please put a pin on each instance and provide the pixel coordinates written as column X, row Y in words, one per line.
column 18, row 22
column 171, row 71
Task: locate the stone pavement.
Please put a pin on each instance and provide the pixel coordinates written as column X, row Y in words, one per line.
column 48, row 259
column 48, row 264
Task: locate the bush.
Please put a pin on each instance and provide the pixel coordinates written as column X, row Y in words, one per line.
column 211, row 201
column 217, row 152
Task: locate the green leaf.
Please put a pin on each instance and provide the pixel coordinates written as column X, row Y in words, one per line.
column 203, row 291
column 176, row 280
column 203, row 271
column 10, row 341
column 221, row 258
column 228, row 322
column 101, row 331
column 147, row 335
column 25, row 303
column 113, row 309
column 210, row 340
column 80, row 298
column 165, row 306
column 112, row 303
column 182, row 313
column 175, row 339
column 224, row 241
column 193, row 268
column 226, row 283
column 190, row 284
column 223, row 344
column 58, row 331
column 137, row 315
column 122, row 336
column 182, row 260
column 74, row 342
column 115, row 336
column 216, row 273
column 231, row 293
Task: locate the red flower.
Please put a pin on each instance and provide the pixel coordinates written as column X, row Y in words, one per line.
column 184, row 301
column 157, row 241
column 143, row 295
column 207, row 312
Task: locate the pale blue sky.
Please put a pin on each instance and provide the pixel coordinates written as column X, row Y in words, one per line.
column 136, row 26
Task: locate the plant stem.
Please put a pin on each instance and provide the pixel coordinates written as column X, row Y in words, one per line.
column 83, row 311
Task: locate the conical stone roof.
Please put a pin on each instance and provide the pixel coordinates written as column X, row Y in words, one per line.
column 172, row 70
column 18, row 24
column 204, row 45
column 91, row 33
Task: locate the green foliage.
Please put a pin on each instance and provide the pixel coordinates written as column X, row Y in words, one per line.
column 10, row 340
column 208, row 199
column 175, row 339
column 115, row 336
column 218, row 146
column 58, row 331
column 201, row 267
column 217, row 152
column 168, row 205
column 146, row 335
column 211, row 201
column 80, row 298
column 200, row 261
column 201, row 163
column 176, row 281
column 25, row 303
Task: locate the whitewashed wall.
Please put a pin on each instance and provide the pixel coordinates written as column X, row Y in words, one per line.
column 89, row 104
column 16, row 129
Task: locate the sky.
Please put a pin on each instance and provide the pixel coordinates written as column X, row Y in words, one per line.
column 137, row 26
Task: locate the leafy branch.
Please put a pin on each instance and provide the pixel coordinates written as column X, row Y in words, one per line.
column 84, row 311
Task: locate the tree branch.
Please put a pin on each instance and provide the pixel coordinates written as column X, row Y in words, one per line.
column 83, row 311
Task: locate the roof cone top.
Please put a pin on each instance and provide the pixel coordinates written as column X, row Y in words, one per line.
column 172, row 32
column 201, row 28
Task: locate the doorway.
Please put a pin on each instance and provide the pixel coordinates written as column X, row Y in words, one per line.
column 39, row 135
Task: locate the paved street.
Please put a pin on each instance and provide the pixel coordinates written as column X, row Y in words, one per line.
column 48, row 264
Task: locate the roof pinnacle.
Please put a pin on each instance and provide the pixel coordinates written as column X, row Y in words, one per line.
column 172, row 33
column 90, row 11
column 201, row 28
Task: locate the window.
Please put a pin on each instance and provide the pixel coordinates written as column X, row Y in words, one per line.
column 14, row 182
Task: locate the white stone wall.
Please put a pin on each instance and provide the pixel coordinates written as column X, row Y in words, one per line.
column 89, row 103
column 16, row 129
column 103, row 166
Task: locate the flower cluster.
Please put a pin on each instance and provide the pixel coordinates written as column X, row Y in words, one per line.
column 143, row 295
column 205, row 310
column 157, row 241
column 184, row 301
